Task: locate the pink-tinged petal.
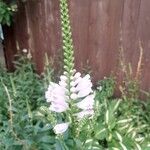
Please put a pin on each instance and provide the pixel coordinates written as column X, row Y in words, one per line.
column 75, row 82
column 63, row 84
column 59, row 90
column 85, row 113
column 77, row 75
column 52, row 85
column 84, row 92
column 58, row 93
column 86, row 77
column 86, row 103
column 61, row 128
column 58, row 99
column 50, row 90
column 84, row 84
column 48, row 96
column 57, row 107
column 63, row 78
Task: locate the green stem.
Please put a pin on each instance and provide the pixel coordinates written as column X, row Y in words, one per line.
column 67, row 46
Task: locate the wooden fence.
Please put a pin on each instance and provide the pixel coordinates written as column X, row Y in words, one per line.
column 100, row 28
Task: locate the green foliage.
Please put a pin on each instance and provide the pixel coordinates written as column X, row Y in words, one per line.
column 24, row 124
column 121, row 125
column 21, row 94
column 105, row 88
column 6, row 12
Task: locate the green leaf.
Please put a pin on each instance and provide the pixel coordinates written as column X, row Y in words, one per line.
column 101, row 134
column 91, row 144
column 123, row 146
column 47, row 139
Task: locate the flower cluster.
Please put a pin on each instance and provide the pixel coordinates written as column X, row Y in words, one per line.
column 73, row 95
column 78, row 91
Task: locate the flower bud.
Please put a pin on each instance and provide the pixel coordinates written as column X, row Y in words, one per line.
column 61, row 128
column 74, row 96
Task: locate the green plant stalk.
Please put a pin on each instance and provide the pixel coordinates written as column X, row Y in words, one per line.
column 11, row 113
column 68, row 50
column 67, row 41
column 13, row 86
column 10, row 106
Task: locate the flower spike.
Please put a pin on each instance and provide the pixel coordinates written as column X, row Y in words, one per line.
column 73, row 95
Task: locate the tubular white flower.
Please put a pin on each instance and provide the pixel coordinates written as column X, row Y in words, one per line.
column 63, row 77
column 85, row 113
column 83, row 85
column 56, row 95
column 79, row 89
column 77, row 75
column 85, row 92
column 77, row 80
column 59, row 107
column 63, row 84
column 86, row 103
column 84, row 82
column 61, row 128
column 49, row 92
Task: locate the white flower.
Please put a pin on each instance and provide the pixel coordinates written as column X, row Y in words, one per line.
column 63, row 77
column 74, row 96
column 77, row 75
column 63, row 84
column 84, row 86
column 55, row 92
column 76, row 79
column 56, row 95
column 80, row 89
column 84, row 82
column 61, row 128
column 86, row 103
column 49, row 92
column 59, row 107
column 85, row 92
column 85, row 113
